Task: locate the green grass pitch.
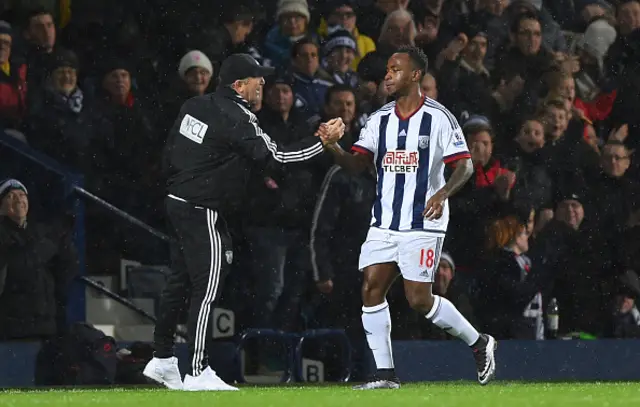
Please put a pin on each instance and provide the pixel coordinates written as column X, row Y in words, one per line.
column 424, row 394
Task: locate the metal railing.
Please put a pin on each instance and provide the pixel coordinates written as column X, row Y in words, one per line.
column 73, row 185
column 133, row 307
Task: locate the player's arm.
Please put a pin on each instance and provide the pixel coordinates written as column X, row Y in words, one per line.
column 456, row 153
column 361, row 156
column 461, row 174
column 354, row 163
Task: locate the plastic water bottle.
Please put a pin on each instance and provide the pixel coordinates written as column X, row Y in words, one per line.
column 553, row 319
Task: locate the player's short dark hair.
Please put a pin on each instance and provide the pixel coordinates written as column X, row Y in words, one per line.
column 417, row 56
column 300, row 43
column 525, row 15
column 337, row 89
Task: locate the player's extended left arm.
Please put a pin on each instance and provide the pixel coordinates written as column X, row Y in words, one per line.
column 461, row 174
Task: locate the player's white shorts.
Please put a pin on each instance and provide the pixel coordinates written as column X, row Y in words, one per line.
column 417, row 254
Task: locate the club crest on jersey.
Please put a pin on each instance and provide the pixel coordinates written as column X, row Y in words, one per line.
column 400, row 161
column 423, row 142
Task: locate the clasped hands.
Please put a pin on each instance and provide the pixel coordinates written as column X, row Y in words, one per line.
column 331, row 131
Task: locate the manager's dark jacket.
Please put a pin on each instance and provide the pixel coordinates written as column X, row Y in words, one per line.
column 211, row 147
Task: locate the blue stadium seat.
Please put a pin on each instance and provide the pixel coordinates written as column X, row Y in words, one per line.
column 287, row 339
column 337, row 335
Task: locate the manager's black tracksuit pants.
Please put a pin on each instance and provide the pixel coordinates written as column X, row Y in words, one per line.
column 201, row 257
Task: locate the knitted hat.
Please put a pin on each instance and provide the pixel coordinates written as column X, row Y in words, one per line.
column 9, row 185
column 193, row 59
column 598, row 38
column 64, row 58
column 477, row 123
column 447, row 257
column 339, row 37
column 5, row 28
column 293, row 6
column 114, row 62
column 283, row 78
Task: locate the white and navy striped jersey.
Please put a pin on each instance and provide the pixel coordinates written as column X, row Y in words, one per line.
column 410, row 154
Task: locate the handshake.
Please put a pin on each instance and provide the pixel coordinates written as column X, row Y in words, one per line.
column 331, row 131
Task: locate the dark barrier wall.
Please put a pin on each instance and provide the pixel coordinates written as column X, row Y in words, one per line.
column 603, row 360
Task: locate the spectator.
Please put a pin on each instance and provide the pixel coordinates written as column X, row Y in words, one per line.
column 613, row 197
column 429, row 36
column 511, row 302
column 40, row 34
column 342, row 13
column 281, row 210
column 218, row 43
column 132, row 153
column 594, row 92
column 566, row 154
column 338, row 229
column 628, row 19
column 293, row 24
column 479, row 201
column 566, row 245
column 195, row 73
column 64, row 125
column 310, row 80
column 339, row 52
column 429, row 86
column 399, row 29
column 37, row 263
column 340, row 102
column 372, row 18
column 626, row 316
column 548, row 34
column 13, row 82
column 464, row 74
column 522, row 66
column 524, row 156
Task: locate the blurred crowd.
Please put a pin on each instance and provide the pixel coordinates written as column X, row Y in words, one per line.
column 546, row 91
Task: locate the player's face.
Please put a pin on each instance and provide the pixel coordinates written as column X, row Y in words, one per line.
column 401, row 75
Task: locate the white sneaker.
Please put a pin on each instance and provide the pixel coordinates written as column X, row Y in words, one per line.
column 164, row 371
column 208, row 380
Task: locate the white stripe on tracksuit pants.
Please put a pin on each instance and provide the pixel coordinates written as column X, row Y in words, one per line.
column 210, row 294
column 200, row 258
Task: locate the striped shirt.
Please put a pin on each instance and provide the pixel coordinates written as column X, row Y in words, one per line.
column 410, row 154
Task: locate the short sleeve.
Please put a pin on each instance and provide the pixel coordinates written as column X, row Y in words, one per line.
column 454, row 146
column 368, row 141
